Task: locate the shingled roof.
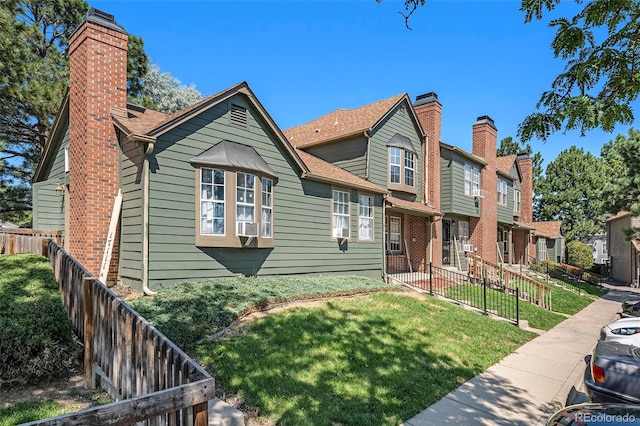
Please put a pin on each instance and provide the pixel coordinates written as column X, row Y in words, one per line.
column 504, row 164
column 549, row 229
column 341, row 123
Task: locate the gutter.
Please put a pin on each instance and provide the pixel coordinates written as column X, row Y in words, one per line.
column 150, row 142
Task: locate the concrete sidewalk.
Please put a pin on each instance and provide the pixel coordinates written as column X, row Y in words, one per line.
column 526, row 387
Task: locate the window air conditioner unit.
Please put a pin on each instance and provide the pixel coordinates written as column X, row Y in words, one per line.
column 341, row 233
column 467, row 247
column 478, row 193
column 247, row 229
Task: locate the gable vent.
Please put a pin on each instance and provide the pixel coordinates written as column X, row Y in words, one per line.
column 238, row 115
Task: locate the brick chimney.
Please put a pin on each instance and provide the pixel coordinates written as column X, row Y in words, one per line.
column 429, row 112
column 526, row 187
column 484, row 230
column 97, row 82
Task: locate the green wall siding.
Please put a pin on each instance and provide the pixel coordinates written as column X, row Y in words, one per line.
column 131, row 181
column 302, row 211
column 398, row 121
column 48, row 205
column 350, row 154
column 505, row 213
column 453, row 199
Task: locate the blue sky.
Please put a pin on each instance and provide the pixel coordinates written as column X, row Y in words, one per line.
column 304, row 59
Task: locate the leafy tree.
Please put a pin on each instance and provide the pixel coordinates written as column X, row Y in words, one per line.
column 163, row 92
column 571, row 191
column 508, row 146
column 579, row 254
column 601, row 78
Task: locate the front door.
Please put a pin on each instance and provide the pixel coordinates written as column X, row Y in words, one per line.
column 446, row 242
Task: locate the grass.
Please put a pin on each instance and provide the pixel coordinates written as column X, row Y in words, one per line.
column 189, row 311
column 374, row 360
column 23, row 412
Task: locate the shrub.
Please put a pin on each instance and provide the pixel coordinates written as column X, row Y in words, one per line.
column 36, row 340
column 579, row 254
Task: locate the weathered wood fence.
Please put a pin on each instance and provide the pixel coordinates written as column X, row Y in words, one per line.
column 152, row 380
column 15, row 241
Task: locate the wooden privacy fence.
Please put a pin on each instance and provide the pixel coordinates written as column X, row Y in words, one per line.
column 15, row 241
column 152, row 379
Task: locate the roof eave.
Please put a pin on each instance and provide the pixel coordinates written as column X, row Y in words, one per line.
column 334, row 181
column 54, row 130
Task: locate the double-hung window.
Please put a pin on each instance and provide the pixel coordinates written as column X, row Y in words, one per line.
column 409, row 171
column 245, row 198
column 267, row 208
column 341, row 219
column 394, row 164
column 471, row 180
column 365, row 218
column 402, row 165
column 516, row 201
column 394, row 234
column 502, row 192
column 212, row 201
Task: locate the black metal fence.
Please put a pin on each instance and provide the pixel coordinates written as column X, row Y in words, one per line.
column 487, row 296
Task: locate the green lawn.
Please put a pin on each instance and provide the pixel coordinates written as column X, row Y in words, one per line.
column 374, row 360
column 24, row 412
column 189, row 312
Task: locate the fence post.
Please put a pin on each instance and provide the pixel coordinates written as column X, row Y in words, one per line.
column 431, row 278
column 201, row 414
column 89, row 314
column 484, row 294
column 517, row 307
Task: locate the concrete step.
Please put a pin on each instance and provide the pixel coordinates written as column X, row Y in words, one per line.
column 223, row 414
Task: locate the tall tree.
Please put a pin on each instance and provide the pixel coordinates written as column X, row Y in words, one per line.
column 601, row 78
column 509, row 146
column 34, row 72
column 163, row 92
column 621, row 158
column 571, row 191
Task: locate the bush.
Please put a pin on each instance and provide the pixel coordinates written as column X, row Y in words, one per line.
column 36, row 340
column 579, row 254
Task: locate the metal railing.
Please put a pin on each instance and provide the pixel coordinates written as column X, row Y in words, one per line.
column 476, row 292
column 563, row 276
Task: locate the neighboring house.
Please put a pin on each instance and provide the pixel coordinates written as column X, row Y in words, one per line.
column 598, row 244
column 213, row 190
column 549, row 242
column 384, row 143
column 623, row 254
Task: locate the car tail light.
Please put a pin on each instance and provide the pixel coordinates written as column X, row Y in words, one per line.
column 597, row 373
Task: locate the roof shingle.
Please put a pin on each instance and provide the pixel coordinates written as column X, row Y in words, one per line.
column 549, row 229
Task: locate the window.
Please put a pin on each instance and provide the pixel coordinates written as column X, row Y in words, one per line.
column 245, row 197
column 340, row 213
column 516, row 201
column 212, row 202
column 502, row 192
column 365, row 218
column 408, row 169
column 393, row 234
column 267, row 208
column 471, row 180
column 463, row 233
column 604, row 248
column 394, row 164
column 67, row 163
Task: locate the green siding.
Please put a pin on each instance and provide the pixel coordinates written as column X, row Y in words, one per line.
column 398, row 121
column 48, row 205
column 350, row 154
column 453, row 198
column 505, row 213
column 131, row 181
column 302, row 211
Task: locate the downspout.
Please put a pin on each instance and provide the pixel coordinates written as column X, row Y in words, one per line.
column 366, row 173
column 145, row 210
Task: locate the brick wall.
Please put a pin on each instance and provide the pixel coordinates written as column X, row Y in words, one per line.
column 417, row 239
column 429, row 112
column 97, row 82
column 485, row 138
column 526, row 188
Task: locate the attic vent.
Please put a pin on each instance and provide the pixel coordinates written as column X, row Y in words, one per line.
column 238, row 115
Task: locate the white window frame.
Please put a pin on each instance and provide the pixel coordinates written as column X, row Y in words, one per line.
column 247, row 190
column 463, row 233
column 395, row 160
column 340, row 210
column 471, row 179
column 394, row 239
column 266, row 202
column 502, row 191
column 365, row 217
column 212, row 201
column 409, row 166
column 67, row 160
column 516, row 200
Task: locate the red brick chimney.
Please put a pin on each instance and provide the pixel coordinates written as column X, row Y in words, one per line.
column 429, row 112
column 484, row 231
column 526, row 187
column 97, row 82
